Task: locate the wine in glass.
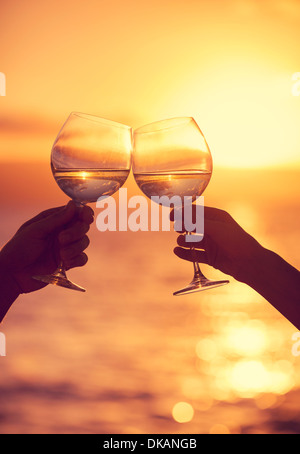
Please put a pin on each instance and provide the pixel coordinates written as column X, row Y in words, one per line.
column 171, row 158
column 90, row 158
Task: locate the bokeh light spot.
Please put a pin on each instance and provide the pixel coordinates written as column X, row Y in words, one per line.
column 219, row 429
column 183, row 412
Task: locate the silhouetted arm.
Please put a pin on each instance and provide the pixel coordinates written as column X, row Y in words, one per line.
column 278, row 282
column 227, row 247
column 9, row 292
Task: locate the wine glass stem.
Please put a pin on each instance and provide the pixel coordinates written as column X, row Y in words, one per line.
column 61, row 270
column 197, row 272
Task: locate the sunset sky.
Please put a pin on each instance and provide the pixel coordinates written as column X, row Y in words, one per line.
column 228, row 63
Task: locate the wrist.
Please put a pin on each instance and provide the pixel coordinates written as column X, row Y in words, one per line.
column 253, row 266
column 257, row 268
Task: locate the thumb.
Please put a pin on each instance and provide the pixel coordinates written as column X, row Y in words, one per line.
column 56, row 220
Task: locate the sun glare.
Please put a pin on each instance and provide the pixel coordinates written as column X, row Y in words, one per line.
column 245, row 110
column 83, row 175
column 249, row 377
column 248, row 340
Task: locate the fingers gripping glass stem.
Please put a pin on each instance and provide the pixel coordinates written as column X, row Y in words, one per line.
column 199, row 281
column 59, row 277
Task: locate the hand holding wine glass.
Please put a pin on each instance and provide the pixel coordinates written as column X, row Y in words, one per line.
column 90, row 158
column 34, row 248
column 171, row 158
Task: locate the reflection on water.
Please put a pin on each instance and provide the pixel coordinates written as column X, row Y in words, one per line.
column 128, row 357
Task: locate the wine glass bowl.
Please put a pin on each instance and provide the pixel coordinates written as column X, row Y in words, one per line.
column 172, row 161
column 90, row 158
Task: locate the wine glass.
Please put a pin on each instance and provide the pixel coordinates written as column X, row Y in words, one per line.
column 171, row 157
column 90, row 158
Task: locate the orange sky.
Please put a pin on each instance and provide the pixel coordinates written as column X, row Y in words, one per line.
column 228, row 63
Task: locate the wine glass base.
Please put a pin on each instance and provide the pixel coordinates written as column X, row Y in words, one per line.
column 60, row 281
column 199, row 287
